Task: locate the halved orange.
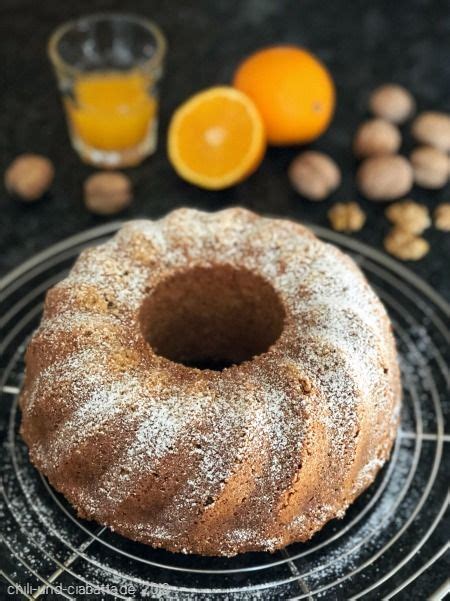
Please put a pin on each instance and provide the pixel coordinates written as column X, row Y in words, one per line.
column 216, row 138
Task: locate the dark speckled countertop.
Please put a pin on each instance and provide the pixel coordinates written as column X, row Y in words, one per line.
column 363, row 44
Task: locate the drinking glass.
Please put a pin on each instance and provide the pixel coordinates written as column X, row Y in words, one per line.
column 108, row 67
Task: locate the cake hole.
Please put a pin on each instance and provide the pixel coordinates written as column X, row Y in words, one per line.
column 212, row 317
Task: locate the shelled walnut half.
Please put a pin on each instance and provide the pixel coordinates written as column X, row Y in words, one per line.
column 409, row 215
column 405, row 245
column 346, row 217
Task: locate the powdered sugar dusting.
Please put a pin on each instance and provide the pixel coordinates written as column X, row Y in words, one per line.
column 327, row 375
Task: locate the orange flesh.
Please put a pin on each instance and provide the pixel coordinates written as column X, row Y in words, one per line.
column 214, row 139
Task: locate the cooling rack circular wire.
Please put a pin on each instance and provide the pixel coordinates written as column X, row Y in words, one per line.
column 391, row 542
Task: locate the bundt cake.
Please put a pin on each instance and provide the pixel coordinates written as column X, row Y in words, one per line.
column 212, row 383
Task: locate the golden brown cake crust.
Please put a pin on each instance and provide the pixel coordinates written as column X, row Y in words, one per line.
column 250, row 458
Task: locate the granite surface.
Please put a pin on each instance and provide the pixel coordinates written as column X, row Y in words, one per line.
column 363, row 43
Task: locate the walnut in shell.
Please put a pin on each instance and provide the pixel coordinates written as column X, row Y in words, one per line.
column 392, row 102
column 432, row 128
column 107, row 192
column 314, row 175
column 376, row 137
column 29, row 176
column 431, row 167
column 384, row 178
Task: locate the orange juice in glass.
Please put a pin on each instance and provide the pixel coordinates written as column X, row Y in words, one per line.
column 108, row 67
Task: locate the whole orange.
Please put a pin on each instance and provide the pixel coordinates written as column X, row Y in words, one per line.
column 292, row 90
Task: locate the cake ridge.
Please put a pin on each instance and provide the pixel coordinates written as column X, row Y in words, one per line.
column 253, row 457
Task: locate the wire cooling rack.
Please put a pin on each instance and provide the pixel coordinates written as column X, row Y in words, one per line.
column 392, row 542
